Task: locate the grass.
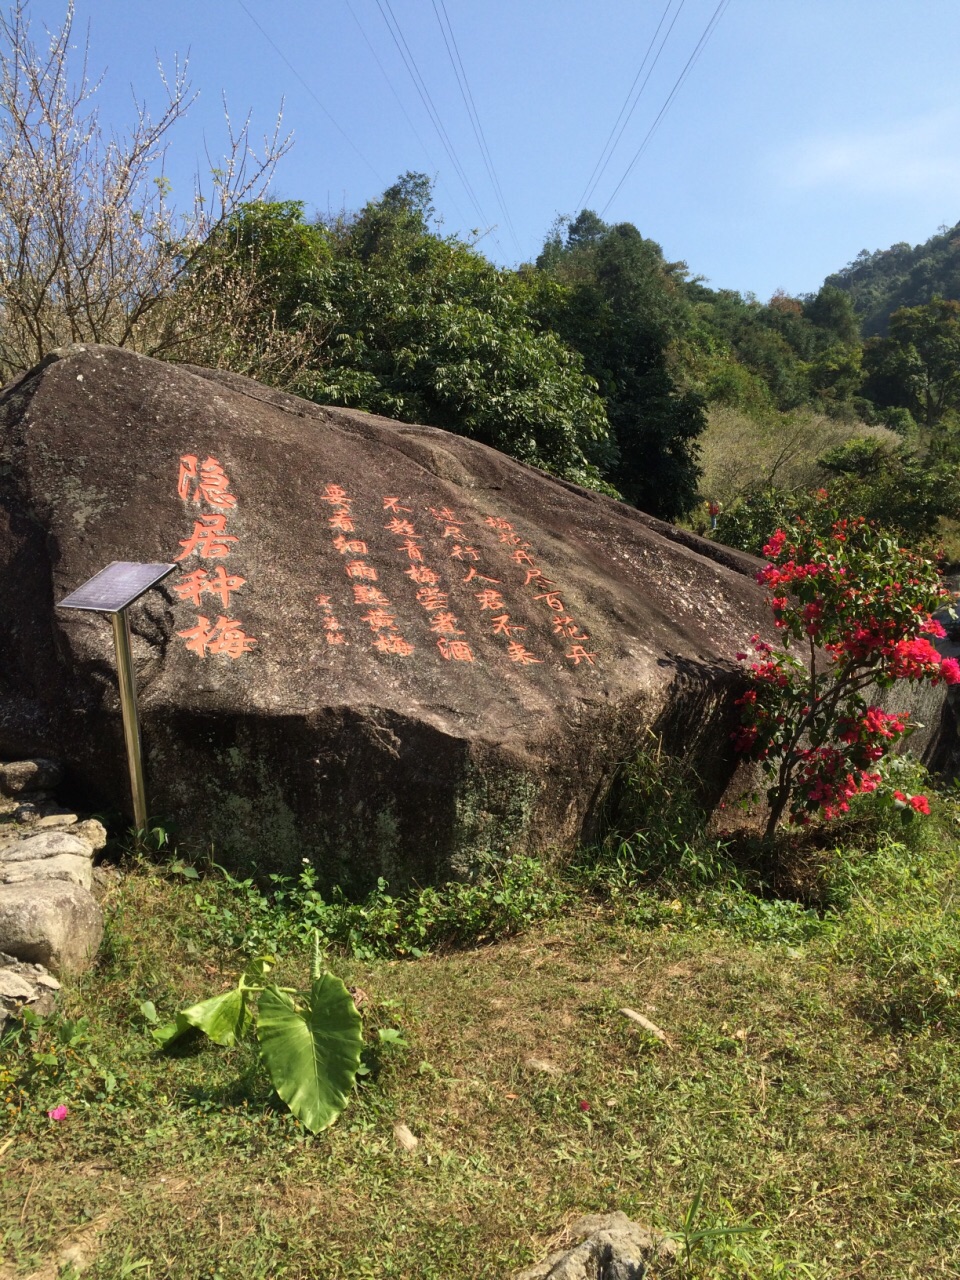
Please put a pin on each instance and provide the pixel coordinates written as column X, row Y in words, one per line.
column 809, row 1088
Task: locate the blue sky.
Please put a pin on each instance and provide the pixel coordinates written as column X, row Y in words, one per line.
column 805, row 131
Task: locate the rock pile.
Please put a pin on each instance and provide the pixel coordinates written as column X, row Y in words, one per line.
column 29, row 985
column 50, row 922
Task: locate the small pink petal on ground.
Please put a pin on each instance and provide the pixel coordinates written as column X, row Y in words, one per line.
column 58, row 1113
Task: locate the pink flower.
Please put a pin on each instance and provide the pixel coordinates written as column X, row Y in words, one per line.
column 933, row 628
column 950, row 670
column 59, row 1113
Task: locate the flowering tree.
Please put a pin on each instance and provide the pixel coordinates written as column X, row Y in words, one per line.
column 90, row 247
column 859, row 608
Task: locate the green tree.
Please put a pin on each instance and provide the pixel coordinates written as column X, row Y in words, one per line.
column 880, row 283
column 622, row 306
column 377, row 312
column 897, row 489
column 918, row 365
column 254, row 300
column 831, row 312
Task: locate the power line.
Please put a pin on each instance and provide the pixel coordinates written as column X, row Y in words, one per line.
column 406, row 114
column 595, row 177
column 293, row 70
column 690, row 63
column 468, row 101
column 420, row 85
column 386, row 77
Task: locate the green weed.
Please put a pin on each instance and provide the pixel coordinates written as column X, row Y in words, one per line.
column 503, row 899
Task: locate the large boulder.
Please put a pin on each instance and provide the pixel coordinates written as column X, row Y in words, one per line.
column 387, row 649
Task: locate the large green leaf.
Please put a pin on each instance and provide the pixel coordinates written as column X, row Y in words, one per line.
column 224, row 1018
column 312, row 1054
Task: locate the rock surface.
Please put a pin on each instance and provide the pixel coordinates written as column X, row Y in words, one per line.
column 45, row 854
column 29, row 775
column 386, row 648
column 25, row 984
column 611, row 1247
column 55, row 923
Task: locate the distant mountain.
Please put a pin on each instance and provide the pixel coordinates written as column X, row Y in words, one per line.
column 881, row 282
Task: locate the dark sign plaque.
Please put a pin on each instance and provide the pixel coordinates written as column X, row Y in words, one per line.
column 116, row 586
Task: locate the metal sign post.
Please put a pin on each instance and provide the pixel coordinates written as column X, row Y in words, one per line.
column 112, row 591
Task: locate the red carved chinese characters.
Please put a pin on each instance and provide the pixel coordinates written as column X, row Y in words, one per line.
column 206, row 483
column 578, row 654
column 369, row 595
column 403, row 528
column 455, row 650
column 331, row 623
column 488, row 599
column 393, row 643
column 216, row 583
column 545, row 592
column 430, row 597
column 359, row 569
column 502, row 625
column 208, row 539
column 380, row 620
column 225, row 636
column 380, row 616
column 518, row 653
column 422, row 575
column 445, row 624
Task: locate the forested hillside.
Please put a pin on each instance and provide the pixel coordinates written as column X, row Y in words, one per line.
column 904, row 275
column 601, row 362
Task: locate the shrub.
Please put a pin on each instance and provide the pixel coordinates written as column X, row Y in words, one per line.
column 859, row 606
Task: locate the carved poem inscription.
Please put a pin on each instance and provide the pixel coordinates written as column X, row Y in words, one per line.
column 379, row 616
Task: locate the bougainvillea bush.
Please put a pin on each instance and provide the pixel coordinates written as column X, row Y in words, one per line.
column 854, row 609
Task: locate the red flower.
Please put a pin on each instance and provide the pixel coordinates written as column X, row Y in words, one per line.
column 920, row 803
column 774, row 546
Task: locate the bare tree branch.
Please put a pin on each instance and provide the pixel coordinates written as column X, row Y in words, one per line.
column 90, row 248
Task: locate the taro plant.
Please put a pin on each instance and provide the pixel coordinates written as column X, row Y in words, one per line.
column 310, row 1041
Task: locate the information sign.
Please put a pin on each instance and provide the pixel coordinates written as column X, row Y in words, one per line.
column 116, row 586
column 111, row 591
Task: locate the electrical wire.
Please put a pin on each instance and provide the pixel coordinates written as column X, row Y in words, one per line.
column 386, row 76
column 420, row 85
column 690, row 63
column 399, row 100
column 598, row 171
column 468, row 101
column 293, row 70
